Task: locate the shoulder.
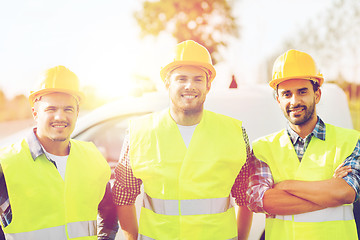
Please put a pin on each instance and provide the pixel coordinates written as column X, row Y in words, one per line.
column 341, row 130
column 271, row 137
column 15, row 155
column 148, row 118
column 88, row 150
column 220, row 117
column 13, row 150
column 83, row 146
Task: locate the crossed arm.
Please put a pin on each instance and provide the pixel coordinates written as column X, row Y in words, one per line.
column 294, row 197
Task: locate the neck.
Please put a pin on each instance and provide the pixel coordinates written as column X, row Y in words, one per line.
column 59, row 148
column 185, row 118
column 303, row 130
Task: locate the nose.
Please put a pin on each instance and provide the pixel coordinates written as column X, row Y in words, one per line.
column 189, row 85
column 59, row 115
column 294, row 99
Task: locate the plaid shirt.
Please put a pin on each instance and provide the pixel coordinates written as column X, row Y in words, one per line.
column 127, row 186
column 107, row 219
column 5, row 208
column 261, row 178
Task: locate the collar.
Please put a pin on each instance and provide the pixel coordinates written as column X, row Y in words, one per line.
column 35, row 147
column 318, row 132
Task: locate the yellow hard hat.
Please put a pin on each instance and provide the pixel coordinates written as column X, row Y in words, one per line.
column 57, row 79
column 191, row 53
column 294, row 64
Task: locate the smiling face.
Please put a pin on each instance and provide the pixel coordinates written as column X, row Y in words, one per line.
column 188, row 87
column 297, row 100
column 55, row 115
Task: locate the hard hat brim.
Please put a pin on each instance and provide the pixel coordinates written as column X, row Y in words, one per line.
column 275, row 82
column 33, row 95
column 171, row 66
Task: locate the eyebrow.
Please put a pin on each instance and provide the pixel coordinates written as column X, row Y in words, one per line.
column 180, row 76
column 54, row 106
column 300, row 89
column 73, row 107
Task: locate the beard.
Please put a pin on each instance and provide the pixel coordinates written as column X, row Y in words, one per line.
column 309, row 113
column 59, row 139
column 188, row 108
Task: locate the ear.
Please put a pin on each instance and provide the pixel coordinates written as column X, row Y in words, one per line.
column 208, row 86
column 317, row 96
column 34, row 113
column 277, row 98
column 167, row 83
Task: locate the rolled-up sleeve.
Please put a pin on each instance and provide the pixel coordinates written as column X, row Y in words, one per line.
column 238, row 190
column 353, row 177
column 126, row 187
column 260, row 181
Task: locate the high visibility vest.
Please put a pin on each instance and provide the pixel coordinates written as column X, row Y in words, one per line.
column 318, row 163
column 46, row 207
column 187, row 190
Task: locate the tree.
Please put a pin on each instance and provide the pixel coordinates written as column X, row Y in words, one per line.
column 332, row 38
column 208, row 22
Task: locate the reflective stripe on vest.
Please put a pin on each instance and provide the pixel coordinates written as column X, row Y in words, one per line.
column 53, row 233
column 142, row 237
column 318, row 163
column 69, row 210
column 341, row 213
column 170, row 170
column 188, row 206
column 81, row 229
column 75, row 230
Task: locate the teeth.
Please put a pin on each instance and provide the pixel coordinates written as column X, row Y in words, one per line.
column 296, row 109
column 59, row 126
column 189, row 96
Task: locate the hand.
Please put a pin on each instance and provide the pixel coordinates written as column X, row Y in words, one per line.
column 341, row 171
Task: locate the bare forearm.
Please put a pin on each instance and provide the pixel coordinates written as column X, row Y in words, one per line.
column 328, row 193
column 244, row 219
column 128, row 221
column 279, row 202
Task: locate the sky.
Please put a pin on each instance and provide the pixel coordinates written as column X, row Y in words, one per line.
column 99, row 41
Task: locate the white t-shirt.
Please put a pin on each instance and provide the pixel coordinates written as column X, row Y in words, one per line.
column 60, row 162
column 186, row 133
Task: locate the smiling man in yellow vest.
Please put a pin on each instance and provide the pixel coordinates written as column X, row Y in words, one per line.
column 307, row 175
column 191, row 161
column 51, row 185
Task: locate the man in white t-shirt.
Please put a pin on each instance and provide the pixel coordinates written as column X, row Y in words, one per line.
column 190, row 160
column 51, row 186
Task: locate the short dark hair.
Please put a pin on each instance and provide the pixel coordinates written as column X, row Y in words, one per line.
column 315, row 85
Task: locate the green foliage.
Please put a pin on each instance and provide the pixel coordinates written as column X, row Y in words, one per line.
column 332, row 38
column 208, row 22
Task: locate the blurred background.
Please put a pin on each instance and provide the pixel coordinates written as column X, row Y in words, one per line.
column 117, row 48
